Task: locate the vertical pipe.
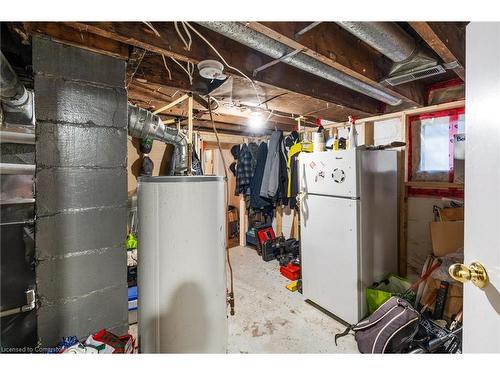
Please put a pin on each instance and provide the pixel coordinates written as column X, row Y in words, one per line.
column 190, row 134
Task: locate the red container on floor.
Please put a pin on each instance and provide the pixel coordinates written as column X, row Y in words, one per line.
column 265, row 234
column 291, row 271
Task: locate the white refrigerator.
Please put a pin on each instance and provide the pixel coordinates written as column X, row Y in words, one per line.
column 348, row 227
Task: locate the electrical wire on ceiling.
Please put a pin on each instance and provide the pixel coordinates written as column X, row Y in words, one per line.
column 189, row 71
column 187, row 43
column 270, row 112
column 150, row 25
column 259, row 101
column 166, row 67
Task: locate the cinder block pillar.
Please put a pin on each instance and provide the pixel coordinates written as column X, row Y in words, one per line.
column 81, row 191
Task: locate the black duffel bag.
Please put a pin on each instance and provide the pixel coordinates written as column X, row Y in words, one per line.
column 389, row 329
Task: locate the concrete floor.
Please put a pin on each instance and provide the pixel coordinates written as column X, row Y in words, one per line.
column 271, row 319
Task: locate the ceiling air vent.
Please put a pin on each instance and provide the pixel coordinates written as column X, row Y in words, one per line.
column 413, row 76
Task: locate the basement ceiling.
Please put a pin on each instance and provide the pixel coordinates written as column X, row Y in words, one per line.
column 284, row 91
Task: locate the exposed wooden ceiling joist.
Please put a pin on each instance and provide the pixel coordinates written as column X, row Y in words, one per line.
column 447, row 39
column 285, row 89
column 246, row 59
column 147, row 97
column 93, row 42
column 276, row 99
column 339, row 49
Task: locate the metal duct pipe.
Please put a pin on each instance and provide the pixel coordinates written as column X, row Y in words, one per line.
column 143, row 124
column 386, row 37
column 270, row 47
column 14, row 96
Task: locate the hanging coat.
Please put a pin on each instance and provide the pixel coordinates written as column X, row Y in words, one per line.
column 271, row 170
column 256, row 201
column 244, row 171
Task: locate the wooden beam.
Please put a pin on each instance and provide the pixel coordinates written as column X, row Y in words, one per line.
column 172, row 104
column 409, row 112
column 246, row 59
column 403, row 215
column 369, row 133
column 280, row 101
column 243, row 221
column 447, row 39
column 135, row 59
column 279, row 220
column 335, row 47
column 224, row 138
column 434, row 185
column 222, row 125
column 152, row 99
column 82, row 39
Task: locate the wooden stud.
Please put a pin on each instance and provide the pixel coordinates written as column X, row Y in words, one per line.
column 171, row 104
column 400, row 114
column 243, row 221
column 296, row 225
column 434, row 185
column 190, row 118
column 369, row 133
column 403, row 221
column 403, row 200
column 279, row 220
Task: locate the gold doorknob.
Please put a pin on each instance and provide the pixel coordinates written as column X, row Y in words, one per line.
column 475, row 273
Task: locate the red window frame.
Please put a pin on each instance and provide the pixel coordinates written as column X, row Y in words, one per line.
column 453, row 114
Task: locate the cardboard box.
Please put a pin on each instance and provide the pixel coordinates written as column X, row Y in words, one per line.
column 454, row 299
column 452, row 214
column 447, row 237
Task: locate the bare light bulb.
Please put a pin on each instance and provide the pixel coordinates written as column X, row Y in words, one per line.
column 255, row 120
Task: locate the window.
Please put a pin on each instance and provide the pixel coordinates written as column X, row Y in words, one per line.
column 434, row 139
column 431, row 145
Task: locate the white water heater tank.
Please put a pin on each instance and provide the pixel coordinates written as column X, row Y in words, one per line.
column 181, row 265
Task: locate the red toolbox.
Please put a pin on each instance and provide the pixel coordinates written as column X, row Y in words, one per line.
column 291, row 271
column 265, row 234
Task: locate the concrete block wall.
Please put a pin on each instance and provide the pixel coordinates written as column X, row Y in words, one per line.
column 81, row 191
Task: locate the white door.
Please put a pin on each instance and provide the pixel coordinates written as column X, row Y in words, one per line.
column 482, row 179
column 329, row 254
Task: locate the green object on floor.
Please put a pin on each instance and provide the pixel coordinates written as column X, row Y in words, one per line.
column 131, row 242
column 380, row 292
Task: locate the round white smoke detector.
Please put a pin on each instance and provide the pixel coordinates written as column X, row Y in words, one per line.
column 211, row 69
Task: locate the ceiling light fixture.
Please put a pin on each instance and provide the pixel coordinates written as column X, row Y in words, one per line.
column 256, row 120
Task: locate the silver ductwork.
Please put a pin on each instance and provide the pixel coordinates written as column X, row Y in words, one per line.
column 272, row 48
column 144, row 124
column 17, row 101
column 410, row 62
column 386, row 37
